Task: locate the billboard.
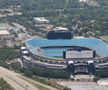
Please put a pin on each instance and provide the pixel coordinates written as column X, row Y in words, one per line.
column 79, row 54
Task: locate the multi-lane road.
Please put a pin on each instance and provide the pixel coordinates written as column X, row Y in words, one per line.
column 17, row 81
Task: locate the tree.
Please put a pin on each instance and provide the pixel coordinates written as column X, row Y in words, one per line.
column 4, row 64
column 66, row 88
column 16, row 65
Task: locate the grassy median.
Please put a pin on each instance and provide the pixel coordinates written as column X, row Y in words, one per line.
column 4, row 85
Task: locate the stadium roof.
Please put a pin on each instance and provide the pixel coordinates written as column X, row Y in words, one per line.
column 95, row 44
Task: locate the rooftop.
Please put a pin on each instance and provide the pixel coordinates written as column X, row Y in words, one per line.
column 60, row 28
column 4, row 32
column 41, row 19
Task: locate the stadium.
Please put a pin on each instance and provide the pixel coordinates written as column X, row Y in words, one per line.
column 60, row 51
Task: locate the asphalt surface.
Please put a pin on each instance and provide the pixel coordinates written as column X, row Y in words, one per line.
column 19, row 82
column 83, row 85
column 15, row 81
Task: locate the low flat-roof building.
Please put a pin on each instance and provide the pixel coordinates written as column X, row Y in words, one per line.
column 60, row 28
column 4, row 32
column 4, row 35
column 41, row 21
column 6, row 38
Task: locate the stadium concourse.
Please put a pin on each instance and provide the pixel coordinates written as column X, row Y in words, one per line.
column 59, row 52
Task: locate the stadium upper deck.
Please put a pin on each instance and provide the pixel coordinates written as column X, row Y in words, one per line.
column 34, row 45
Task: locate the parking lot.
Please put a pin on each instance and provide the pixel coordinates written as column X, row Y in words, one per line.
column 83, row 85
column 84, row 82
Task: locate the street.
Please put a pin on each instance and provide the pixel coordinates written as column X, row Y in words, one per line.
column 19, row 82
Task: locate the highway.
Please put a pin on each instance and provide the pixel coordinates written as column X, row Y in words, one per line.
column 16, row 82
column 19, row 82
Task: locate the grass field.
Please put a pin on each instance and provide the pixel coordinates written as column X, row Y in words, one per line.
column 4, row 85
